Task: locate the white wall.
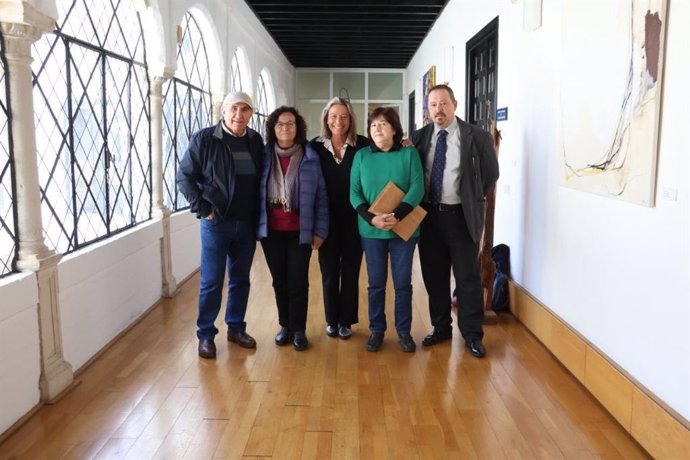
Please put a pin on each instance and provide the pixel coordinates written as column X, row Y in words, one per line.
column 185, row 241
column 105, row 287
column 19, row 347
column 616, row 272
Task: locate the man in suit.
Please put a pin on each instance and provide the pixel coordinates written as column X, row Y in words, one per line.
column 460, row 168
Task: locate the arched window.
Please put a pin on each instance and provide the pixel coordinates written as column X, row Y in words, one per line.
column 8, row 213
column 261, row 105
column 236, row 72
column 92, row 111
column 186, row 106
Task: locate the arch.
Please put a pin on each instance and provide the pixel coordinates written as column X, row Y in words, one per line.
column 216, row 61
column 240, row 73
column 269, row 90
column 154, row 35
column 186, row 104
column 264, row 100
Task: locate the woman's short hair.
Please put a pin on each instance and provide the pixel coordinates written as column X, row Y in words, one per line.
column 326, row 131
column 392, row 117
column 272, row 119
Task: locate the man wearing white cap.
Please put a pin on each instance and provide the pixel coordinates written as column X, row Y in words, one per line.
column 219, row 176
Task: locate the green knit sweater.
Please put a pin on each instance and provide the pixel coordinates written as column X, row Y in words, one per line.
column 371, row 171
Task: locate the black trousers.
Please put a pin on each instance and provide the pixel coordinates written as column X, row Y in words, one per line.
column 288, row 262
column 445, row 243
column 340, row 259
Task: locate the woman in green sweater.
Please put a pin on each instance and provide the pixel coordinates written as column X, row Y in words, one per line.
column 373, row 167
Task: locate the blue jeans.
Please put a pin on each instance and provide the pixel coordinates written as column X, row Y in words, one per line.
column 376, row 252
column 231, row 243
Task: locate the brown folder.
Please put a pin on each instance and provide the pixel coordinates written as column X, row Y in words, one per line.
column 389, row 199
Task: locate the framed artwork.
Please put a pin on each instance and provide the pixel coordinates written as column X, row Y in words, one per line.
column 610, row 97
column 428, row 82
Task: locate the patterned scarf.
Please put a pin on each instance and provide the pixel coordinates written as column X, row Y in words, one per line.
column 283, row 188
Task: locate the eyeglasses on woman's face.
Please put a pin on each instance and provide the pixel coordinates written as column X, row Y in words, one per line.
column 286, row 125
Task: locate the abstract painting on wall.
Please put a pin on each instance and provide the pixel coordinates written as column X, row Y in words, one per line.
column 611, row 74
column 428, row 81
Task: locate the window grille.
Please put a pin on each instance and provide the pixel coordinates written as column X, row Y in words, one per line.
column 92, row 111
column 186, row 105
column 261, row 106
column 8, row 211
column 235, row 73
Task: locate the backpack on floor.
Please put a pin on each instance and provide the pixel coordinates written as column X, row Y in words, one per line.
column 500, row 254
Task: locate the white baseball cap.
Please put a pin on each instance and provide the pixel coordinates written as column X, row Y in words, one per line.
column 238, row 96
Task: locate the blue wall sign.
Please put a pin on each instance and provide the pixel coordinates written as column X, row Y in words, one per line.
column 502, row 114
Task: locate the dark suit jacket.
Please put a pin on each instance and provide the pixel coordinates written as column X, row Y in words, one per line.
column 478, row 170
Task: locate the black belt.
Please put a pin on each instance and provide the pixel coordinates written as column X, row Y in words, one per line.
column 442, row 207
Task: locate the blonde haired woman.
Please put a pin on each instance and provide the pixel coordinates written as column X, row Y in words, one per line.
column 340, row 257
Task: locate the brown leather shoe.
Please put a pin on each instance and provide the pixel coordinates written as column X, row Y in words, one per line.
column 242, row 339
column 207, row 348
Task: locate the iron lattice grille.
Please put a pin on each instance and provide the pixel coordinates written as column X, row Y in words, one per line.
column 93, row 123
column 235, row 74
column 8, row 211
column 261, row 103
column 186, row 106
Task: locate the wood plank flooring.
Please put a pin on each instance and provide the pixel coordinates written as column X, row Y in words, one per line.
column 150, row 397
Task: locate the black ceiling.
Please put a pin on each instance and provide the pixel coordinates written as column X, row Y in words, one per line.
column 337, row 33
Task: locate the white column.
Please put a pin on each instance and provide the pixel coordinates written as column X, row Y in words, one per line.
column 216, row 106
column 160, row 211
column 18, row 40
column 22, row 25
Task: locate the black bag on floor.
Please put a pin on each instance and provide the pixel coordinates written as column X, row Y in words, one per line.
column 500, row 254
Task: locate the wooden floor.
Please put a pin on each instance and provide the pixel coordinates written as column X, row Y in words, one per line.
column 150, row 396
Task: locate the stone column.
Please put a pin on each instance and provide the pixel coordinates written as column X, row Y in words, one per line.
column 160, row 211
column 22, row 25
column 216, row 106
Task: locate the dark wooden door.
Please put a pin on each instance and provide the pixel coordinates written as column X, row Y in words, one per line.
column 481, row 76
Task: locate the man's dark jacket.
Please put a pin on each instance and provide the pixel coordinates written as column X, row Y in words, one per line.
column 478, row 170
column 206, row 174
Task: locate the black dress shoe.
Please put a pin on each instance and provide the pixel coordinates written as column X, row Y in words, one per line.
column 345, row 332
column 283, row 336
column 331, row 331
column 374, row 342
column 476, row 348
column 242, row 339
column 406, row 343
column 437, row 336
column 207, row 348
column 299, row 341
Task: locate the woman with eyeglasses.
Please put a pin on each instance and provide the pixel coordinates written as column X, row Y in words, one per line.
column 340, row 256
column 387, row 160
column 293, row 219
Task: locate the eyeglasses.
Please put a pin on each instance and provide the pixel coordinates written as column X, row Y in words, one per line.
column 288, row 125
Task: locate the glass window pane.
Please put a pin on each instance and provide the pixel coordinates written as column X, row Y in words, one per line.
column 385, row 86
column 353, row 84
column 361, row 113
column 94, row 145
column 313, row 85
column 311, row 112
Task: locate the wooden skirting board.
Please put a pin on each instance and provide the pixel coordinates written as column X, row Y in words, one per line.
column 661, row 431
